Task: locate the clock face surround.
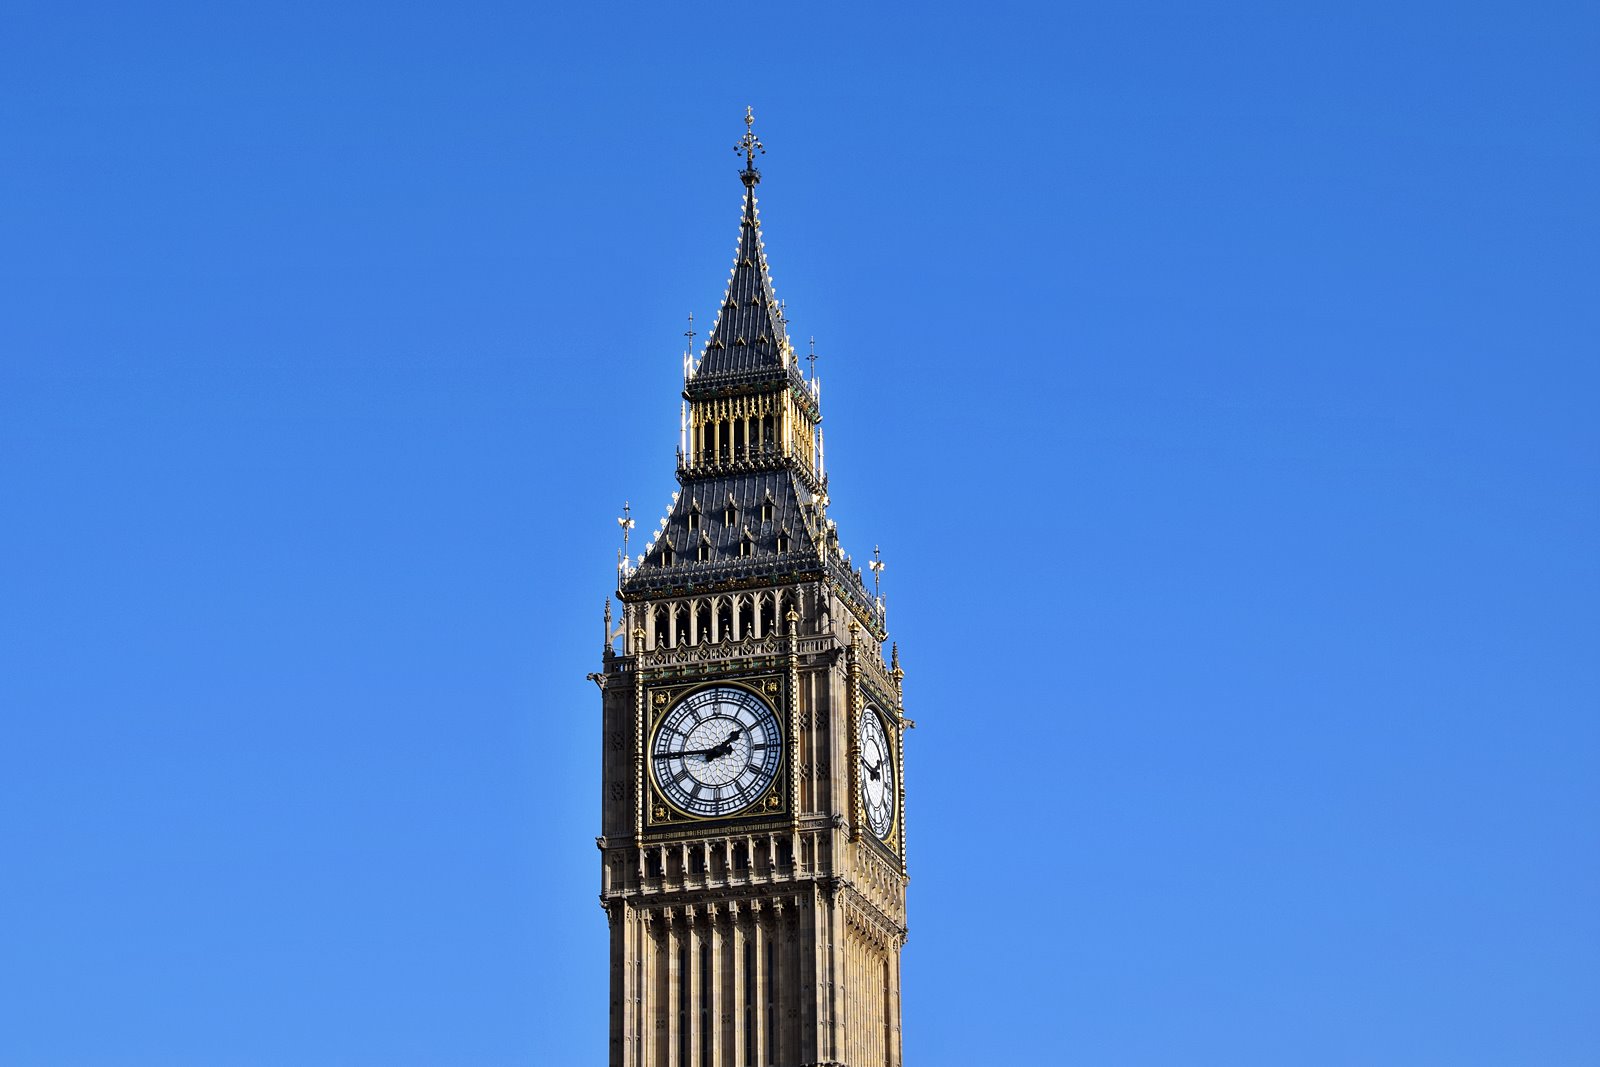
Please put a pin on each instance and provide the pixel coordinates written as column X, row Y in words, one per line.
column 716, row 751
column 877, row 774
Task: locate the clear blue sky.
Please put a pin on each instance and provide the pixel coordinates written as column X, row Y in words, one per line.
column 1220, row 383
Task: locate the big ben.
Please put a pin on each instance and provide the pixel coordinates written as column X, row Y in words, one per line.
column 753, row 808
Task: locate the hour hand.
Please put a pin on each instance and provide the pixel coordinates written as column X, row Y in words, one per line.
column 726, row 748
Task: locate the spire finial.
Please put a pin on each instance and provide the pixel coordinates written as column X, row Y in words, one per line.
column 750, row 144
column 877, row 569
column 625, row 520
column 812, row 358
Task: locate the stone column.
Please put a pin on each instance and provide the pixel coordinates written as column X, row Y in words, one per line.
column 674, row 985
column 713, row 986
column 758, row 934
column 649, row 1001
column 691, row 984
column 737, row 919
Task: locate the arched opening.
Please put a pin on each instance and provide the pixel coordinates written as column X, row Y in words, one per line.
column 768, row 616
column 724, row 620
column 702, row 622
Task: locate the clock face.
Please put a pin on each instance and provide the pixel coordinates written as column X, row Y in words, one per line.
column 877, row 774
column 716, row 752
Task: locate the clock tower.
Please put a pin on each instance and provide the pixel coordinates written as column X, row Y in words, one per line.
column 753, row 793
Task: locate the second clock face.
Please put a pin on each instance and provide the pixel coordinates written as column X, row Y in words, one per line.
column 877, row 774
column 716, row 751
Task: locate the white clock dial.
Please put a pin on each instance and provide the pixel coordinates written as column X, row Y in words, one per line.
column 877, row 774
column 716, row 752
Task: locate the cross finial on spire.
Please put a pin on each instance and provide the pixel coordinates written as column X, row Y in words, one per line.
column 750, row 144
column 877, row 569
column 626, row 522
column 812, row 358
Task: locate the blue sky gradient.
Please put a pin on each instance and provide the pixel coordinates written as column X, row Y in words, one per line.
column 1219, row 382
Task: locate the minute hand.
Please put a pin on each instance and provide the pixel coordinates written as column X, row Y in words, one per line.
column 722, row 749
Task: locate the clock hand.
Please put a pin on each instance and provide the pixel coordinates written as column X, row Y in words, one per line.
column 724, row 749
column 714, row 752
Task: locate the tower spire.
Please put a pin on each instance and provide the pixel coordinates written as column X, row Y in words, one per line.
column 750, row 334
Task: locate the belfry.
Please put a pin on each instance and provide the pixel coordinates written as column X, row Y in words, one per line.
column 753, row 788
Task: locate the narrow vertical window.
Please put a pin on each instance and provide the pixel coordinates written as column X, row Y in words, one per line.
column 749, row 1003
column 683, row 999
column 772, row 999
column 705, row 1002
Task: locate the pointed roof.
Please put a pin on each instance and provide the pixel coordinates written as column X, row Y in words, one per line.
column 760, row 521
column 749, row 333
column 778, row 533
